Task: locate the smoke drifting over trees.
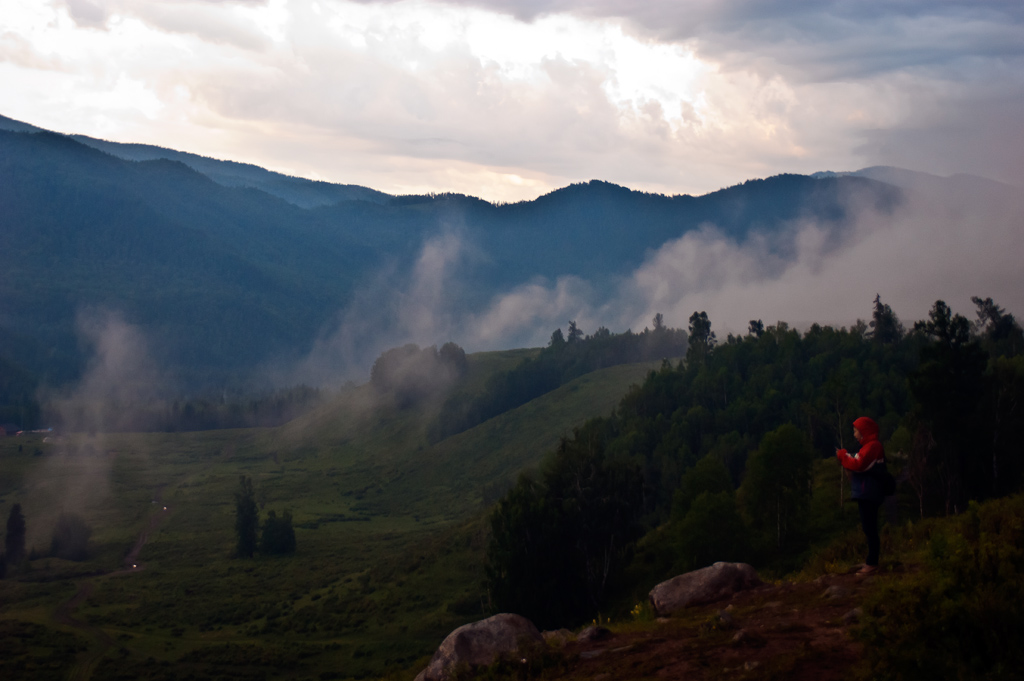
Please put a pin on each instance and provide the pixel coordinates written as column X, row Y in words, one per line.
column 409, row 374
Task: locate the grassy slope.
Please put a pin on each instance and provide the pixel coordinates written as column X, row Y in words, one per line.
column 389, row 531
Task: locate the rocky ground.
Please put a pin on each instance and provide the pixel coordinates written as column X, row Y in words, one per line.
column 792, row 631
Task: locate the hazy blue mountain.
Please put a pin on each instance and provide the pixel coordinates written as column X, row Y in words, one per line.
column 224, row 277
column 297, row 190
column 18, row 126
column 917, row 180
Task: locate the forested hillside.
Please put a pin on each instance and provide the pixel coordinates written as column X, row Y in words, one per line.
column 564, row 359
column 715, row 458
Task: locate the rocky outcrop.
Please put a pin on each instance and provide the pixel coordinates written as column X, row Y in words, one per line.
column 480, row 643
column 706, row 585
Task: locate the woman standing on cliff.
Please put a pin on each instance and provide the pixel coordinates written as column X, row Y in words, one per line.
column 865, row 467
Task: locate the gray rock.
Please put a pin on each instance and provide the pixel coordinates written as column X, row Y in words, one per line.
column 835, row 591
column 593, row 633
column 706, row 585
column 479, row 644
column 853, row 616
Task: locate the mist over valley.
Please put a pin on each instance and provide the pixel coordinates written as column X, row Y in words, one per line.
column 233, row 278
column 291, row 429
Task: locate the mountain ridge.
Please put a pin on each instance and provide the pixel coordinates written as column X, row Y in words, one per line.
column 227, row 279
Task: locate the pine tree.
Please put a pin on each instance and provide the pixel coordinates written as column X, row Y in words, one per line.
column 702, row 339
column 247, row 518
column 278, row 534
column 14, row 541
column 886, row 328
column 575, row 335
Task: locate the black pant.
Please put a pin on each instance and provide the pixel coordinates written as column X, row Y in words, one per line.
column 869, row 523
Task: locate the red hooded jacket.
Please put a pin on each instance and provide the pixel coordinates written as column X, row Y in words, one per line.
column 871, row 450
column 864, row 485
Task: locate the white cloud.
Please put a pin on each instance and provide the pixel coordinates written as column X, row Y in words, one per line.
column 663, row 96
column 526, row 316
column 943, row 243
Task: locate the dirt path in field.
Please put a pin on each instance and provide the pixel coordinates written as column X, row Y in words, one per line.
column 65, row 612
column 792, row 631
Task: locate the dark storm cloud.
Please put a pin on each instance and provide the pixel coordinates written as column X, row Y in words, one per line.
column 825, row 39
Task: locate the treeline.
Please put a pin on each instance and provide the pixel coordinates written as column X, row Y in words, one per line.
column 277, row 536
column 565, row 358
column 713, row 458
column 264, row 410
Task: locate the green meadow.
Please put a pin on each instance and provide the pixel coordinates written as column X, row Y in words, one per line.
column 389, row 528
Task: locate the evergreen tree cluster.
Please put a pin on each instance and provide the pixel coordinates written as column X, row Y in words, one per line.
column 70, row 539
column 712, row 457
column 266, row 410
column 556, row 543
column 14, row 540
column 278, row 534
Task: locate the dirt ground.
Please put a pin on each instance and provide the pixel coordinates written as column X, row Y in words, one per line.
column 793, row 631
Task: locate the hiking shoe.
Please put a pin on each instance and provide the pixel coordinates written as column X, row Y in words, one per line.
column 868, row 570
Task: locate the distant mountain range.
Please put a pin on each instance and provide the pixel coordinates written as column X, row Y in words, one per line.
column 227, row 266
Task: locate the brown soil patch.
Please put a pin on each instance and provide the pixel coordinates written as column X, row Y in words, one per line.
column 794, row 631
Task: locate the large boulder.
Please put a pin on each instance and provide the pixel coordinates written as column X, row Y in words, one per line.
column 706, row 585
column 479, row 644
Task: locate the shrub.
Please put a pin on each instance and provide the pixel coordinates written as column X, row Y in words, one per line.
column 962, row 616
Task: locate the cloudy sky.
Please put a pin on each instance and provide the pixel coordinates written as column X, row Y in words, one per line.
column 509, row 99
